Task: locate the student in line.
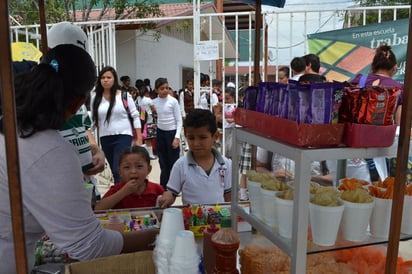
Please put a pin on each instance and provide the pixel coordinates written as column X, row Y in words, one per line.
column 203, row 175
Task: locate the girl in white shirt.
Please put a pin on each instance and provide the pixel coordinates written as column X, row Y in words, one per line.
column 169, row 126
column 112, row 120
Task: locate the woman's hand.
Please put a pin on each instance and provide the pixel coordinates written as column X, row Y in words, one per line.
column 175, row 143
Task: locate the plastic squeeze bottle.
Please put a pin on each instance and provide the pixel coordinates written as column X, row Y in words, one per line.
column 209, row 253
column 226, row 242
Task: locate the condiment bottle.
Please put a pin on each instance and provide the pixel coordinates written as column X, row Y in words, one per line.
column 226, row 243
column 209, row 253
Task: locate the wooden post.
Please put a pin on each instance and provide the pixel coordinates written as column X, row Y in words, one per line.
column 43, row 28
column 258, row 26
column 401, row 165
column 10, row 136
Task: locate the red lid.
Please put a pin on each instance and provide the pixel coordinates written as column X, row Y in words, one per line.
column 212, row 227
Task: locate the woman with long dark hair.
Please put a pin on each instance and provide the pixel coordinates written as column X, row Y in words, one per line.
column 112, row 119
column 55, row 201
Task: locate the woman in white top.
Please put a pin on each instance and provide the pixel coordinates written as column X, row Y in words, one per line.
column 169, row 126
column 111, row 118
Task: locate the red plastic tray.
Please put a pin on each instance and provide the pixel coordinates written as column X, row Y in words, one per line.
column 302, row 135
column 364, row 135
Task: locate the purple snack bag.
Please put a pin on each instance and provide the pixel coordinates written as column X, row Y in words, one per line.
column 304, row 105
column 321, row 105
column 250, row 98
column 261, row 96
column 283, row 102
column 276, row 87
column 268, row 98
column 293, row 101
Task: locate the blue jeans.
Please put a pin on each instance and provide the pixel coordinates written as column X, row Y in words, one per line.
column 112, row 146
column 167, row 155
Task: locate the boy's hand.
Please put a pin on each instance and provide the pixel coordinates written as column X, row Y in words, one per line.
column 98, row 159
column 166, row 200
column 130, row 187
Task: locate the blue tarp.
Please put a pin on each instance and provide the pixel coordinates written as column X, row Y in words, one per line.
column 273, row 3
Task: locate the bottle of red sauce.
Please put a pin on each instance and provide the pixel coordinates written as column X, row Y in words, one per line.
column 209, row 253
column 226, row 243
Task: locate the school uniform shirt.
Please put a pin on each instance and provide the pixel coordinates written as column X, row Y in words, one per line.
column 55, row 202
column 146, row 102
column 196, row 186
column 119, row 120
column 146, row 199
column 168, row 114
column 204, row 102
column 74, row 131
column 229, row 112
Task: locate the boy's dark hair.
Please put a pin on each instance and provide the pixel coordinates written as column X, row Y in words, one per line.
column 298, row 64
column 198, row 118
column 125, row 78
column 135, row 150
column 312, row 60
column 312, row 78
column 286, row 70
column 231, row 91
column 138, row 83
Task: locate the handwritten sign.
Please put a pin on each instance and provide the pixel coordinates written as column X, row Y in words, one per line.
column 207, row 50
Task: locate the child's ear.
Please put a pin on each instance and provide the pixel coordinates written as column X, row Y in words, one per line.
column 149, row 169
column 216, row 136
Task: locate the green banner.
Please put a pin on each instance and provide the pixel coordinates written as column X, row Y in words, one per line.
column 348, row 52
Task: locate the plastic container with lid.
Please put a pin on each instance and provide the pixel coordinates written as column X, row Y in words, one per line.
column 226, row 243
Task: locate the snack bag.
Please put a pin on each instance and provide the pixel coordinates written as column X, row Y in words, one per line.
column 276, row 87
column 304, row 104
column 293, row 101
column 380, row 106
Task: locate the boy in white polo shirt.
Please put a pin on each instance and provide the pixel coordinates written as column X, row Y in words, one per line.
column 203, row 175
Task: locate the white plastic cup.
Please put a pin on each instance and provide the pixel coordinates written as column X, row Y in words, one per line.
column 284, row 214
column 325, row 222
column 185, row 251
column 172, row 223
column 406, row 226
column 355, row 220
column 269, row 207
column 255, row 196
column 381, row 218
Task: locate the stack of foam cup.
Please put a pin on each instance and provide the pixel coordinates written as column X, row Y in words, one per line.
column 185, row 258
column 172, row 223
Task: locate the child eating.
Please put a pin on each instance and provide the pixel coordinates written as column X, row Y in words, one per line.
column 134, row 190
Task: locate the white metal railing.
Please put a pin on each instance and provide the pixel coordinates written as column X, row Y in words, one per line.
column 287, row 32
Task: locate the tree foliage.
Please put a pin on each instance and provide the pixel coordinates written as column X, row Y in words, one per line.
column 26, row 12
column 373, row 16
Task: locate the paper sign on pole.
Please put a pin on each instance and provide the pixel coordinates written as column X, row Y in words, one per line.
column 207, row 50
